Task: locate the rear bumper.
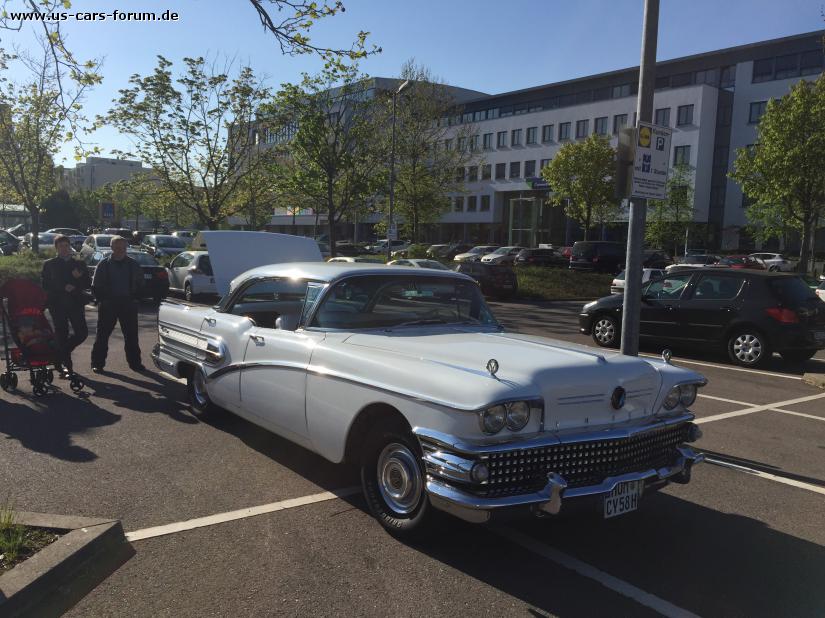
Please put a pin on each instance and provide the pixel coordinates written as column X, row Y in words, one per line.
column 796, row 337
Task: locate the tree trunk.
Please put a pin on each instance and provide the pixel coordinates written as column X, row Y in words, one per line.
column 331, row 220
column 35, row 231
column 587, row 219
column 805, row 251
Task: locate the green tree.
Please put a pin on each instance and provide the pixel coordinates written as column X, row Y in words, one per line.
column 194, row 132
column 334, row 153
column 668, row 220
column 782, row 174
column 426, row 152
column 581, row 178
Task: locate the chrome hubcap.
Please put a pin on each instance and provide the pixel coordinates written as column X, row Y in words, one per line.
column 605, row 331
column 399, row 478
column 747, row 348
column 199, row 389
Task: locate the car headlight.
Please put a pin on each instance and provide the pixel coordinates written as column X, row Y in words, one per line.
column 518, row 415
column 493, row 419
column 672, row 399
column 687, row 394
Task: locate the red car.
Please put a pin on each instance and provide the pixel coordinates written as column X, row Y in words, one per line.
column 742, row 261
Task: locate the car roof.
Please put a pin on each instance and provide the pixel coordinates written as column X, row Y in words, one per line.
column 737, row 272
column 332, row 271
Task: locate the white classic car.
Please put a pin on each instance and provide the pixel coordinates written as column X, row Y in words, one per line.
column 407, row 373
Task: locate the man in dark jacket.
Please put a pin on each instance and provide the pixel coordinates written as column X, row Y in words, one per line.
column 66, row 280
column 117, row 282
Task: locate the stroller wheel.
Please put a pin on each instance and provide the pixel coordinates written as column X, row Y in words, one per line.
column 12, row 380
column 4, row 382
column 50, row 376
column 76, row 384
column 39, row 389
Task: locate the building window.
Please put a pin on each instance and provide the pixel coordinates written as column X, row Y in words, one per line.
column 600, row 126
column 582, row 128
column 762, row 70
column 544, row 163
column 501, row 139
column 458, row 204
column 682, row 79
column 662, row 117
column 492, row 114
column 472, row 201
column 619, row 123
column 728, row 77
column 515, row 169
column 621, row 91
column 462, row 144
column 681, row 155
column 811, row 62
column 684, row 115
column 564, row 131
column 486, row 171
column 474, row 142
column 479, row 116
column 787, row 66
column 459, row 174
column 485, row 203
column 757, row 109
column 448, row 144
column 488, row 141
column 532, row 133
column 529, row 169
column 724, row 116
column 501, row 171
column 547, row 133
column 472, row 173
column 515, row 137
column 710, row 77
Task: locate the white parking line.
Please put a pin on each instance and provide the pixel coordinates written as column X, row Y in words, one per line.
column 608, row 581
column 738, row 403
column 728, row 367
column 752, row 409
column 219, row 518
column 802, row 414
column 767, row 475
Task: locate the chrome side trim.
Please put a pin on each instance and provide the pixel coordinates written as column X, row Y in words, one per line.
column 256, row 365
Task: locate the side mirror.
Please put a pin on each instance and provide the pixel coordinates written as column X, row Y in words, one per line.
column 287, row 322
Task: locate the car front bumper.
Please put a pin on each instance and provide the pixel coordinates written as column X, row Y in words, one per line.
column 449, row 472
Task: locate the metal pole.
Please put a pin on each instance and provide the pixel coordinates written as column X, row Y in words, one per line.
column 392, row 179
column 638, row 207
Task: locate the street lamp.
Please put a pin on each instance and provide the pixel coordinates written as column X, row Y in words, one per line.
column 392, row 167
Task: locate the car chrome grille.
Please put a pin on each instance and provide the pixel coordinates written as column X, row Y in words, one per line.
column 581, row 463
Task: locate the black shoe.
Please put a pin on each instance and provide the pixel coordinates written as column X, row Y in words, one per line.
column 65, row 373
column 98, row 370
column 138, row 368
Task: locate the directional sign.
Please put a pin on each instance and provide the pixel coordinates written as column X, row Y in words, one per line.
column 392, row 232
column 651, row 162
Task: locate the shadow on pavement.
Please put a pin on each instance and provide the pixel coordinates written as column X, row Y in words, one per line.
column 147, row 393
column 763, row 467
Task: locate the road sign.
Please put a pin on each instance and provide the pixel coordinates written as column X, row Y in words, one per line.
column 392, row 232
column 651, row 162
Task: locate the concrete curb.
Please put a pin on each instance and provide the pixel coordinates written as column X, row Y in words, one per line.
column 57, row 577
column 814, row 379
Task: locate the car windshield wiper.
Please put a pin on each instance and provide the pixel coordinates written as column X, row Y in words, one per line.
column 422, row 322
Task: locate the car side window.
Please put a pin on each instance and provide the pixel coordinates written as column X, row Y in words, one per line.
column 266, row 300
column 669, row 288
column 715, row 287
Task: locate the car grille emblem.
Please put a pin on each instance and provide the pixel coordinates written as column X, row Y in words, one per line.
column 492, row 366
column 618, row 398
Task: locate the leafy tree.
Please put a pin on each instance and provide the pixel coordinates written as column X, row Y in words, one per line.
column 193, row 132
column 782, row 174
column 426, row 150
column 138, row 196
column 335, row 161
column 36, row 119
column 581, row 177
column 669, row 219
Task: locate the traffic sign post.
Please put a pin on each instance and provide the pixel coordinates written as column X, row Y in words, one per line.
column 651, row 162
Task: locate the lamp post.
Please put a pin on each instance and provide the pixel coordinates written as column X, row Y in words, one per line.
column 392, row 167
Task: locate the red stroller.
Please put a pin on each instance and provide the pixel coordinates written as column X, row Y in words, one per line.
column 22, row 306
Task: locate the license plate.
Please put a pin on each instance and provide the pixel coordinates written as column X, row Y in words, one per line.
column 147, row 276
column 623, row 499
column 819, row 336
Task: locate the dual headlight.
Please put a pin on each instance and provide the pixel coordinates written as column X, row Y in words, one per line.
column 684, row 394
column 514, row 415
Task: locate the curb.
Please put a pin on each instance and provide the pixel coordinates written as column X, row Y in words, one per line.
column 814, row 379
column 58, row 576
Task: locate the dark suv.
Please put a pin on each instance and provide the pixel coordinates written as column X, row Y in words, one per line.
column 598, row 255
column 750, row 314
column 495, row 279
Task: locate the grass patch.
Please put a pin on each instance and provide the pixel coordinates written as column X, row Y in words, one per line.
column 537, row 283
column 25, row 265
column 17, row 543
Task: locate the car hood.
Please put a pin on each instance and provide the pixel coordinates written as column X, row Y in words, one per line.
column 448, row 366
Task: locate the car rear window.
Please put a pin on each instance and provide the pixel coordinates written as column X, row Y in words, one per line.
column 205, row 265
column 791, row 291
column 144, row 259
column 584, row 249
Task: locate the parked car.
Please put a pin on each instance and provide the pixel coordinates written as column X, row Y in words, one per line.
column 187, row 235
column 475, row 254
column 453, row 250
column 654, row 258
column 741, row 261
column 497, row 280
column 617, row 286
column 694, row 261
column 76, row 237
column 19, row 230
column 541, row 257
column 323, row 247
column 155, row 277
column 502, row 255
column 418, row 263
column 346, row 249
column 9, row 243
column 190, row 273
column 95, row 243
column 774, row 261
column 120, row 231
column 161, row 245
column 380, row 246
column 354, row 260
column 407, row 374
column 749, row 313
column 820, row 291
column 436, row 251
column 598, row 255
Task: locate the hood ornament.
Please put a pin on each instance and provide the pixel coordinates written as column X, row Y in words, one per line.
column 618, row 398
column 666, row 356
column 492, row 366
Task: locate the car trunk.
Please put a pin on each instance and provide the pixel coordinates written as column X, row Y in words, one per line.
column 794, row 294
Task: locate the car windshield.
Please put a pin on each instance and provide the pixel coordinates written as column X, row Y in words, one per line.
column 170, row 241
column 6, row 236
column 792, row 291
column 730, row 261
column 378, row 301
column 482, row 249
column 696, row 259
column 620, row 276
column 432, row 264
column 502, row 251
column 144, row 259
column 103, row 241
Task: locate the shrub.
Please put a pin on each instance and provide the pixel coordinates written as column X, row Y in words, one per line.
column 417, row 251
column 537, row 283
column 25, row 265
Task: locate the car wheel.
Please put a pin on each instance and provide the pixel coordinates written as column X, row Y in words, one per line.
column 392, row 478
column 798, row 356
column 199, row 402
column 773, row 268
column 187, row 292
column 748, row 348
column 606, row 331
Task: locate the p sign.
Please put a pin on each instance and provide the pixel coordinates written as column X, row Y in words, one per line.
column 650, row 162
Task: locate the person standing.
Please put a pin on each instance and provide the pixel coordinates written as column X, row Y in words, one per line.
column 66, row 280
column 116, row 285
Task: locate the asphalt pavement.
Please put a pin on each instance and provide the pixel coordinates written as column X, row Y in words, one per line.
column 744, row 538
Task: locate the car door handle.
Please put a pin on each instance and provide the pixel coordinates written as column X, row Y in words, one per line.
column 211, row 321
column 727, row 308
column 670, row 307
column 257, row 339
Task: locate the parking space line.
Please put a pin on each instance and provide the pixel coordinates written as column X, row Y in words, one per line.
column 752, row 409
column 738, row 403
column 767, row 475
column 729, row 368
column 219, row 518
column 608, row 581
column 802, row 414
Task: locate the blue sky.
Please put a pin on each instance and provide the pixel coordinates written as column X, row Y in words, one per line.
column 485, row 45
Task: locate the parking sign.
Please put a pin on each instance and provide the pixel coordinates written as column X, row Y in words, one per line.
column 651, row 162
